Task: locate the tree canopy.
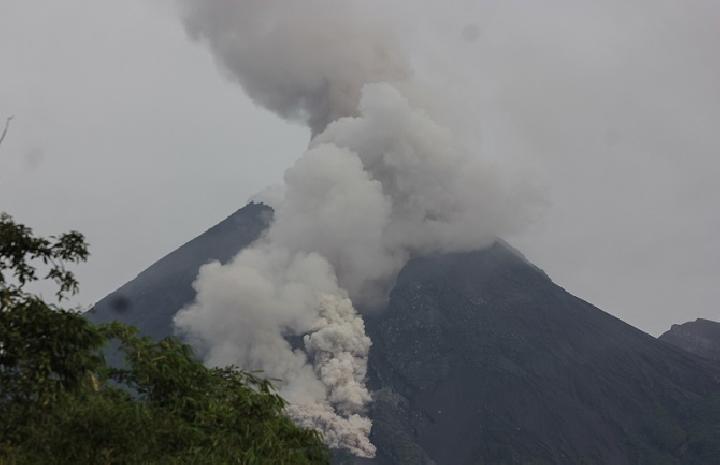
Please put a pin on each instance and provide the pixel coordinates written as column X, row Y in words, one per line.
column 61, row 403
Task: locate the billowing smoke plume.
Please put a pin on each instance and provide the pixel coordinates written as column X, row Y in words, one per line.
column 305, row 60
column 380, row 182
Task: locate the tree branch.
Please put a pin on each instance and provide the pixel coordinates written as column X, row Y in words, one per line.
column 7, row 125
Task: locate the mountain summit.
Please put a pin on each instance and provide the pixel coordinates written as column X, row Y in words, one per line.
column 479, row 358
column 700, row 337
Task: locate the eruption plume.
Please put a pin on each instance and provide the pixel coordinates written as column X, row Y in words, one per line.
column 306, row 60
column 380, row 182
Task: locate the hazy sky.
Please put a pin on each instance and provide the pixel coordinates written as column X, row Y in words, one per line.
column 128, row 132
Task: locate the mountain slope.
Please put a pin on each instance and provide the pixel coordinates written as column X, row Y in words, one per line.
column 151, row 300
column 700, row 337
column 479, row 358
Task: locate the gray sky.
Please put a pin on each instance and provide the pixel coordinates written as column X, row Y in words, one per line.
column 127, row 131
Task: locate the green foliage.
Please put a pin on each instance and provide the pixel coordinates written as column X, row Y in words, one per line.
column 43, row 349
column 60, row 403
column 21, row 251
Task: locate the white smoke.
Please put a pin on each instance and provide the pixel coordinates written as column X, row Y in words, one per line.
column 381, row 182
column 338, row 350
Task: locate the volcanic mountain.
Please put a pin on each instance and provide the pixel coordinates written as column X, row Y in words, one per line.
column 479, row 358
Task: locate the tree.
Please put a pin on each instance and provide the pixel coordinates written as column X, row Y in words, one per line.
column 61, row 403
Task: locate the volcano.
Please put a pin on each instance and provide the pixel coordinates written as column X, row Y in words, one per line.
column 480, row 359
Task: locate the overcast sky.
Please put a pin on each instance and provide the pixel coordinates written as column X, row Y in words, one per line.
column 128, row 132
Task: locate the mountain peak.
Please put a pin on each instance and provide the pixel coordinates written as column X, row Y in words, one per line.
column 700, row 337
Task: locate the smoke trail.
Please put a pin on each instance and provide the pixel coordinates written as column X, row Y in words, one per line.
column 381, row 181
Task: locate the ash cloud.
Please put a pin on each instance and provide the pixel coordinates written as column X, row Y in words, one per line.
column 306, row 61
column 381, row 181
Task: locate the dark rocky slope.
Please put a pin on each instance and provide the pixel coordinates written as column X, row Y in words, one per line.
column 151, row 300
column 700, row 337
column 479, row 358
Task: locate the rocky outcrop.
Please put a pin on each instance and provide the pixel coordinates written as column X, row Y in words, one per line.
column 700, row 337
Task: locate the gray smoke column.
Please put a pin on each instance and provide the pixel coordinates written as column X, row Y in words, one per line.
column 381, row 181
column 305, row 60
